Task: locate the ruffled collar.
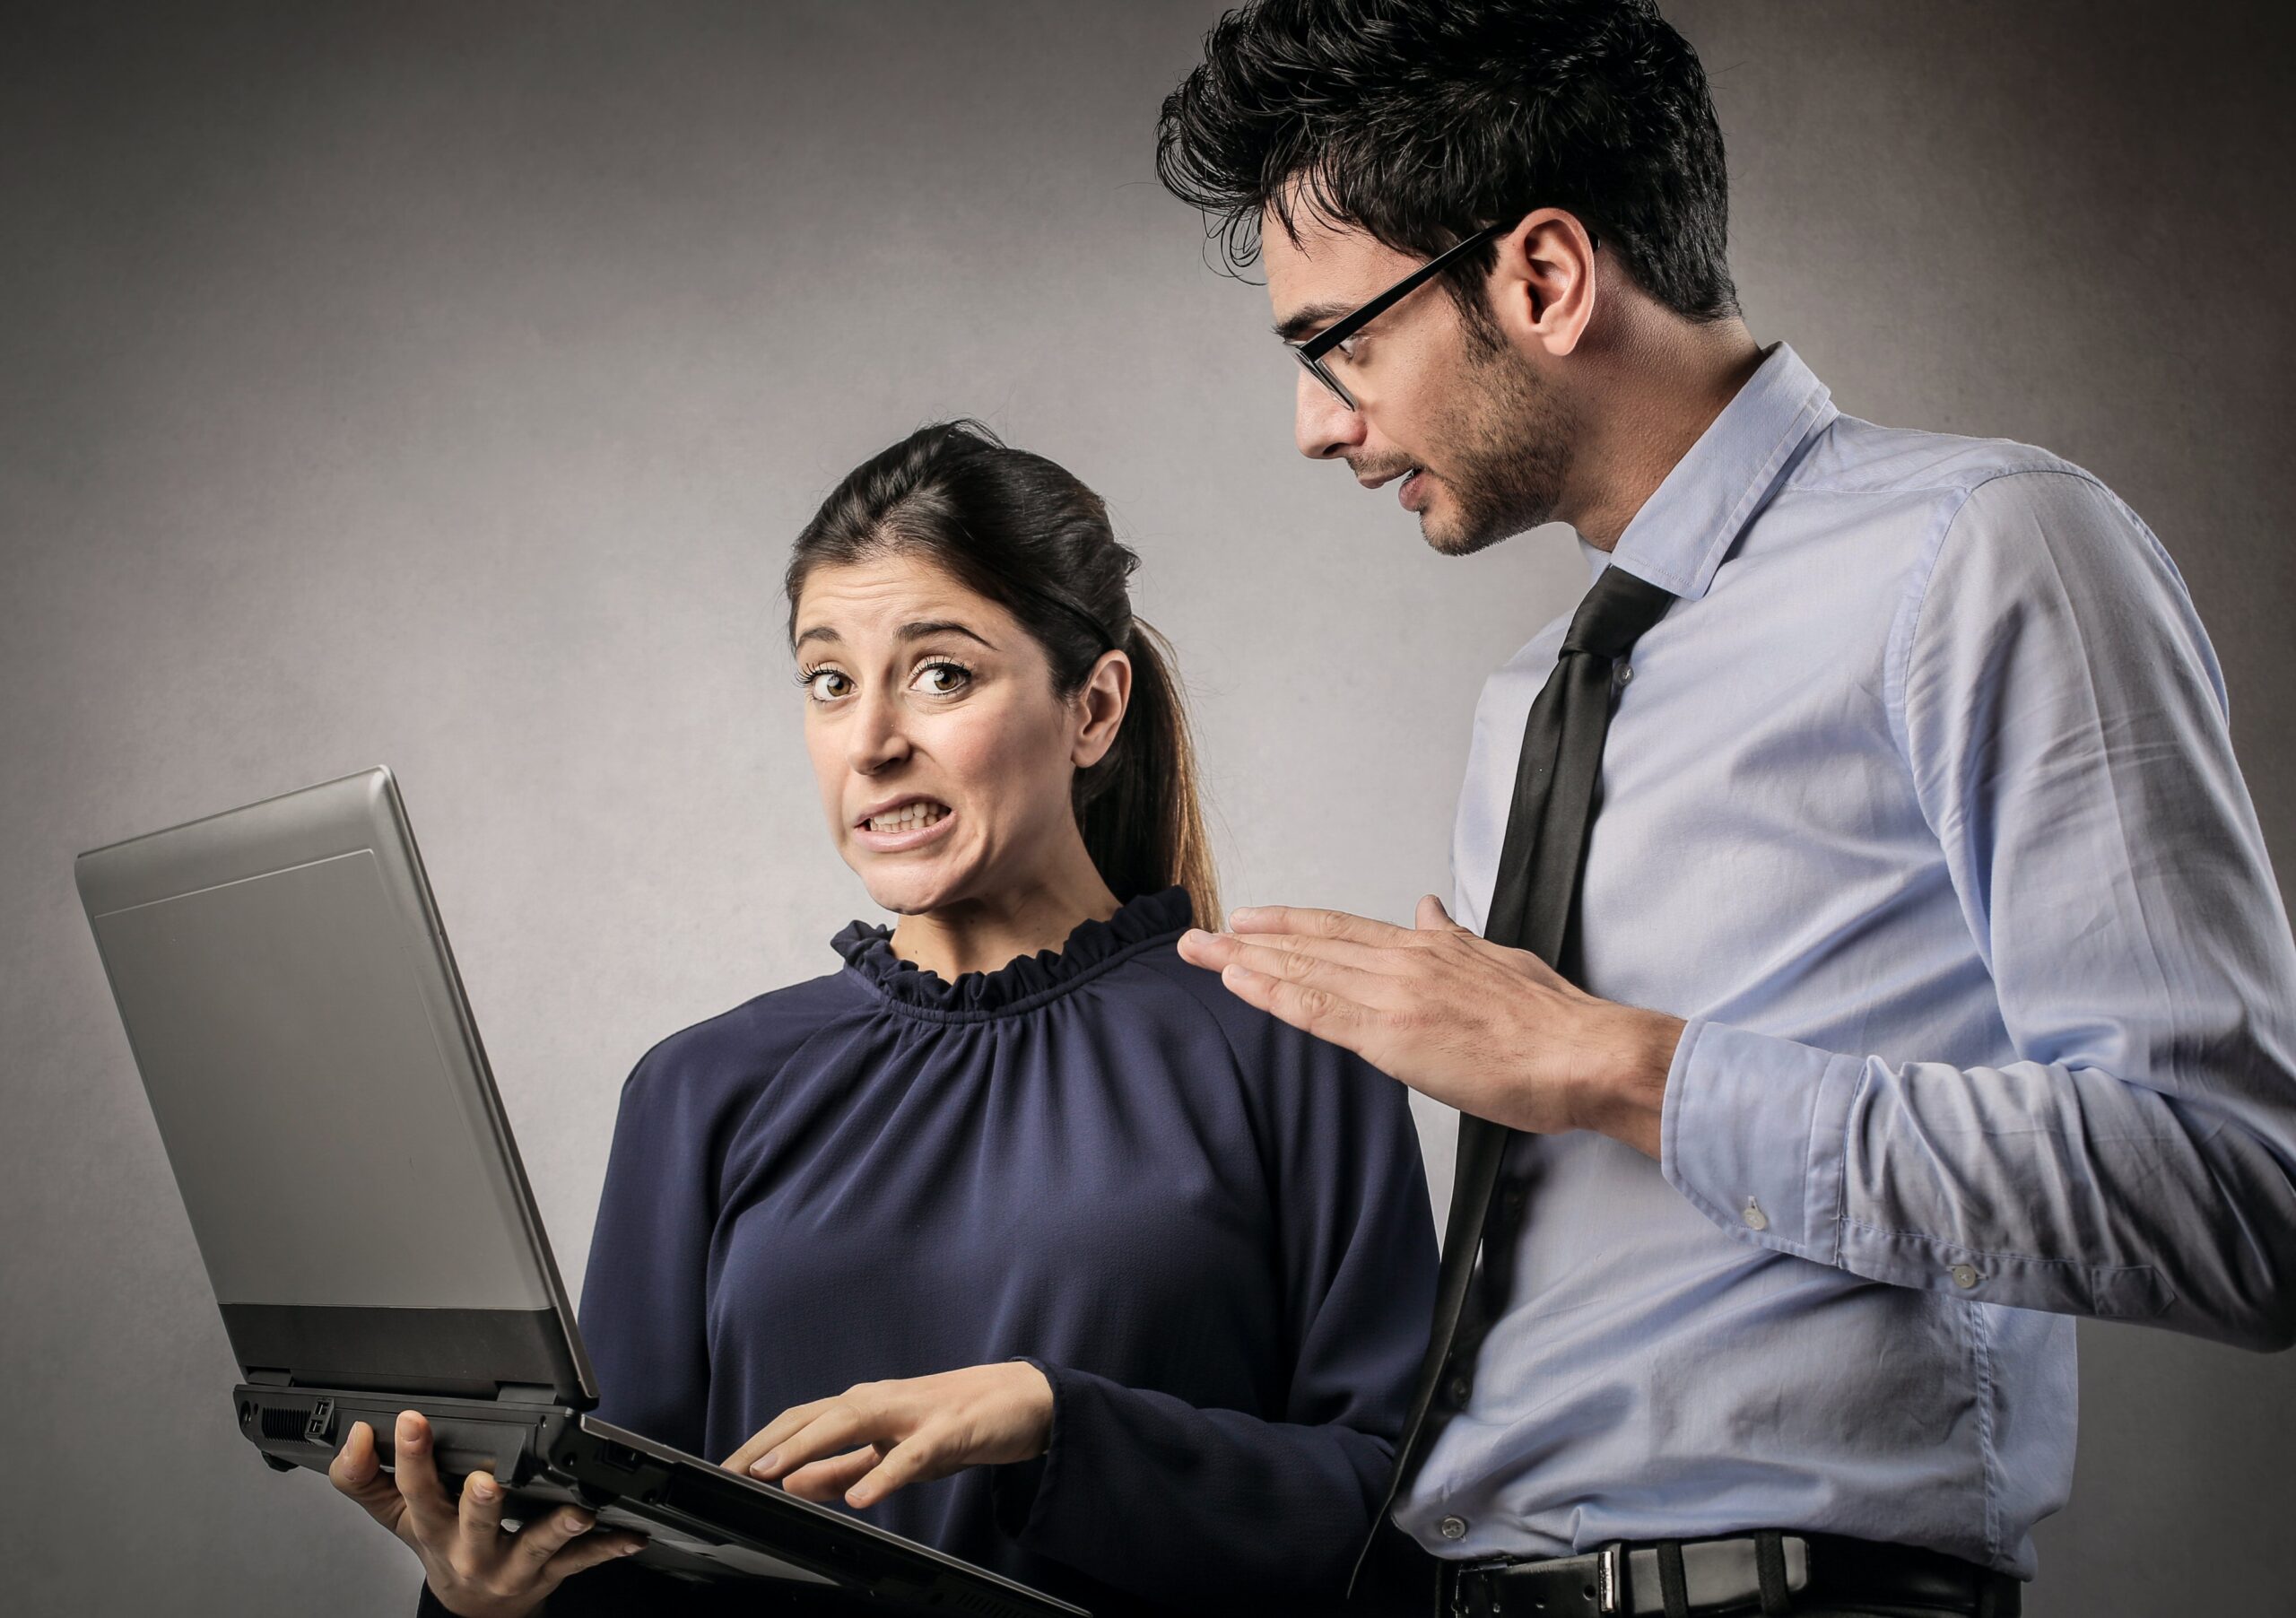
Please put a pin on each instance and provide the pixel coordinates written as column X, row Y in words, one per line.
column 1026, row 980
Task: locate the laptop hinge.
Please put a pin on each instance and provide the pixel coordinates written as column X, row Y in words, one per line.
column 265, row 1376
column 526, row 1393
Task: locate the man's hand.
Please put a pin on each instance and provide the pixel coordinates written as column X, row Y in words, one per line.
column 875, row 1437
column 1489, row 1031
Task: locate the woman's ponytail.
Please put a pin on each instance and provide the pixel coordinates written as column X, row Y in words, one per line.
column 1141, row 807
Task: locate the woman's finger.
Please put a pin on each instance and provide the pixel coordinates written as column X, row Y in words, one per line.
column 587, row 1552
column 541, row 1541
column 481, row 1518
column 358, row 1472
column 841, row 1426
column 827, row 1479
column 916, row 1460
column 430, row 1513
column 789, row 1421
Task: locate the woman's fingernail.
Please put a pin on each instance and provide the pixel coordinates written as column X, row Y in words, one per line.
column 765, row 1462
column 409, row 1430
column 483, row 1488
column 628, row 1550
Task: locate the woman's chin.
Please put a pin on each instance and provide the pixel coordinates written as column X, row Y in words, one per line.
column 905, row 894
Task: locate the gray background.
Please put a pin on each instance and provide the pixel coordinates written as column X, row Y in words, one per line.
column 440, row 385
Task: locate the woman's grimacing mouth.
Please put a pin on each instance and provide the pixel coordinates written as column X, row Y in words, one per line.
column 900, row 814
column 901, row 819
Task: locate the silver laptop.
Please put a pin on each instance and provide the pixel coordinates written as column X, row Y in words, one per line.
column 357, row 1197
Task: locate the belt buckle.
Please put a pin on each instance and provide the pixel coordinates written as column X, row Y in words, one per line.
column 1610, row 1582
column 1607, row 1582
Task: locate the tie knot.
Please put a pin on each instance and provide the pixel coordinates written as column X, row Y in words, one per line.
column 1614, row 614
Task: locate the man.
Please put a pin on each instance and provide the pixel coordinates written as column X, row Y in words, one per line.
column 1923, row 981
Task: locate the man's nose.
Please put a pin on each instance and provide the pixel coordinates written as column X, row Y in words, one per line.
column 1323, row 428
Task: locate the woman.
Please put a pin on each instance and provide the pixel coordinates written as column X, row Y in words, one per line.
column 1016, row 1234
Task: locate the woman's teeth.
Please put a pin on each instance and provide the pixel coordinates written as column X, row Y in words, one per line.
column 907, row 818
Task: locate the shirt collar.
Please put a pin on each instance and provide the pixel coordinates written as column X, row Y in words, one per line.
column 1690, row 522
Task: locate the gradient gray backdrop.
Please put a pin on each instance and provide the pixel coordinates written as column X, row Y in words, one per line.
column 439, row 387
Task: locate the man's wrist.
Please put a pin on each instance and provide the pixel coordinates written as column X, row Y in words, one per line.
column 1625, row 1097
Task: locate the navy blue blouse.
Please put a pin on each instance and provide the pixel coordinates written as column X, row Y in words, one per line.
column 1209, row 1229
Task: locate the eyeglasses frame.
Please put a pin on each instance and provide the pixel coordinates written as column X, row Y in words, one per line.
column 1310, row 353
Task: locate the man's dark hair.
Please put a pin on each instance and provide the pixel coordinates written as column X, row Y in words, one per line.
column 1423, row 121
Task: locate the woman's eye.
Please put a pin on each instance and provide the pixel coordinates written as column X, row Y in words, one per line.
column 826, row 685
column 943, row 679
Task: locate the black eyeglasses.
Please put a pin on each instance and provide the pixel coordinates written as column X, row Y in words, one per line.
column 1311, row 353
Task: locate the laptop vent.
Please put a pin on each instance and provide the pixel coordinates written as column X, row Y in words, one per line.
column 283, row 1423
column 972, row 1601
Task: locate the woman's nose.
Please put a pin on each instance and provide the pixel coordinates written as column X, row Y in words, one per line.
column 876, row 739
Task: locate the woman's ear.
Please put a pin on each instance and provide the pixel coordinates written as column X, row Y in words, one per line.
column 1106, row 690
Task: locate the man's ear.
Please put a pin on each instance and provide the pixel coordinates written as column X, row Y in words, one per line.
column 1105, row 694
column 1543, row 288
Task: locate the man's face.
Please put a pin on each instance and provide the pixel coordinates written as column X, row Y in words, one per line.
column 1476, row 442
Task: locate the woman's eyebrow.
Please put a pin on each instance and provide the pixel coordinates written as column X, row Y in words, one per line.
column 907, row 631
column 938, row 626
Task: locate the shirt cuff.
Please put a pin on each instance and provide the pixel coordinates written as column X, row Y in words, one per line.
column 1753, row 1133
column 1018, row 1490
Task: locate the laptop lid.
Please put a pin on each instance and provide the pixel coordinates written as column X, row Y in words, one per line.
column 318, row 1083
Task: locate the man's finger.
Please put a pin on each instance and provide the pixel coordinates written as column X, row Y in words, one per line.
column 1317, row 924
column 416, row 1474
column 1295, row 956
column 1310, row 968
column 1434, row 915
column 1313, row 1011
column 357, row 1471
column 1214, row 951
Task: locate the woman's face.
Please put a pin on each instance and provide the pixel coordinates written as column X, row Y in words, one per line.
column 943, row 758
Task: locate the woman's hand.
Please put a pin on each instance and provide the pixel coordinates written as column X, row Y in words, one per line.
column 473, row 1567
column 875, row 1437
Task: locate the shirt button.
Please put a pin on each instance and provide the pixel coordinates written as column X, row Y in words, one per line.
column 1964, row 1275
column 1452, row 1527
column 1458, row 1391
column 1756, row 1220
column 1625, row 673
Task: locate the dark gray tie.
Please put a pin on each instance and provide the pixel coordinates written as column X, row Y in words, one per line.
column 1532, row 908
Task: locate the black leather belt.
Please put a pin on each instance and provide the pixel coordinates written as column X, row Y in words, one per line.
column 1748, row 1573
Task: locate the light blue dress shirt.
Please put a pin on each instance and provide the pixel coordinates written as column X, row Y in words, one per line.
column 1920, row 806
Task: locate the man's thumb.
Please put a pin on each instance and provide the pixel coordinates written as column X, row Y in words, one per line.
column 1433, row 917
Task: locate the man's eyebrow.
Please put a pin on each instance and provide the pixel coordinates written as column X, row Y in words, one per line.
column 907, row 631
column 1301, row 323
